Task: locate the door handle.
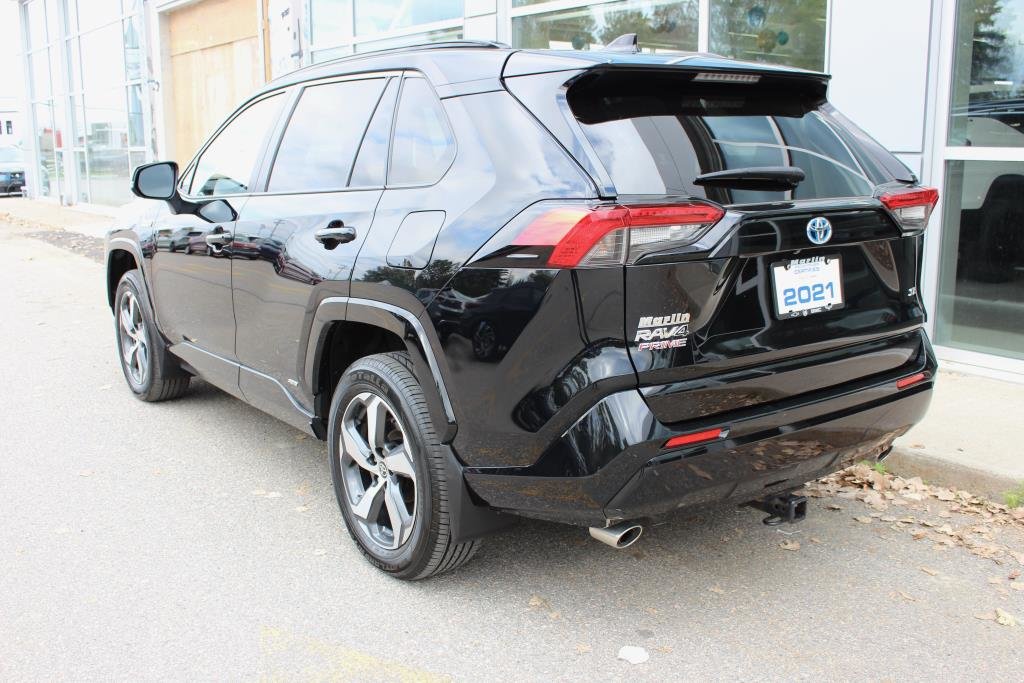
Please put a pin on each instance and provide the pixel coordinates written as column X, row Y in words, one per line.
column 334, row 234
column 218, row 239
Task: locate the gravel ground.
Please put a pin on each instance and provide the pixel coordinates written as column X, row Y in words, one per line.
column 200, row 539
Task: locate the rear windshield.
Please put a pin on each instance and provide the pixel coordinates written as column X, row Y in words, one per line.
column 657, row 140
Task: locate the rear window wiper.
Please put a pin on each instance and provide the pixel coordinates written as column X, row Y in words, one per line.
column 754, row 178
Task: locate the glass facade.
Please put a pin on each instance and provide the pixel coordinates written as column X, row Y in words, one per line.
column 86, row 61
column 788, row 32
column 981, row 287
column 981, row 271
column 341, row 27
column 987, row 107
column 660, row 25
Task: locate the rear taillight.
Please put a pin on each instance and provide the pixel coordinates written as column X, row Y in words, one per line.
column 593, row 236
column 911, row 207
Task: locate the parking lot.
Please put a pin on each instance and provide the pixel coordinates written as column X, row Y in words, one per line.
column 200, row 539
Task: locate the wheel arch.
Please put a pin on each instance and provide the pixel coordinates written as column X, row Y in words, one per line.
column 119, row 261
column 345, row 329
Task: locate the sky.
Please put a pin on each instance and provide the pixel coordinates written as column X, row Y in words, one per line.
column 11, row 75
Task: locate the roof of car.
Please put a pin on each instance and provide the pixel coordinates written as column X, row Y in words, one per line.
column 463, row 61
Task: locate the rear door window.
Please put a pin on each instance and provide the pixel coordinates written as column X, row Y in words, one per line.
column 320, row 143
column 423, row 146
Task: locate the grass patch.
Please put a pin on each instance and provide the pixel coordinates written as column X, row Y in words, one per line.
column 878, row 466
column 1015, row 498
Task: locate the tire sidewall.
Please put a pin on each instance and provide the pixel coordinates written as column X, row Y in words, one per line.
column 405, row 560
column 129, row 283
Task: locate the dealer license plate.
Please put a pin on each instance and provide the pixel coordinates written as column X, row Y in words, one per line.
column 806, row 286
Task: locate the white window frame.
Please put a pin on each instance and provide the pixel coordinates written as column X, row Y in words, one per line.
column 937, row 153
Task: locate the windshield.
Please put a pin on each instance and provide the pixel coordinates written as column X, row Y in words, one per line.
column 10, row 154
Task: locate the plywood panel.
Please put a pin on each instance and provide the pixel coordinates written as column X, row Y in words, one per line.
column 208, row 85
column 215, row 63
column 212, row 22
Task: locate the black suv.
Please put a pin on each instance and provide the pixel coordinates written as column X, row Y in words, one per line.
column 588, row 287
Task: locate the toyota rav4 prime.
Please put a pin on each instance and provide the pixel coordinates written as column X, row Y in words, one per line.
column 587, row 287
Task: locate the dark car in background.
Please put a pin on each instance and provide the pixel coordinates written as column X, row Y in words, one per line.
column 12, row 170
column 588, row 287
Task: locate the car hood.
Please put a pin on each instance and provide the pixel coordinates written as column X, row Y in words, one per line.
column 11, row 166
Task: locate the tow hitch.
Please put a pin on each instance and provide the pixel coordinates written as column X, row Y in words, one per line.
column 782, row 508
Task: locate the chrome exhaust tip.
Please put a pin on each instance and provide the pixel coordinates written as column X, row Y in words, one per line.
column 618, row 536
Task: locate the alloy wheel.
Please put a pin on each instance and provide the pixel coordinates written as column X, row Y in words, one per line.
column 377, row 469
column 134, row 340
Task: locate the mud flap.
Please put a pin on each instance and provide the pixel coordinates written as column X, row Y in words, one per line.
column 469, row 521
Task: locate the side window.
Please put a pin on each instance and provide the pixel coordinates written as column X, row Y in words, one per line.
column 323, row 135
column 371, row 164
column 227, row 164
column 423, row 146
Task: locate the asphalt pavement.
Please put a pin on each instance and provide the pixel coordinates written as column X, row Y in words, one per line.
column 200, row 539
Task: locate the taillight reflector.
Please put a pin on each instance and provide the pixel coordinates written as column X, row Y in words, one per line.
column 602, row 236
column 911, row 207
column 911, row 380
column 694, row 438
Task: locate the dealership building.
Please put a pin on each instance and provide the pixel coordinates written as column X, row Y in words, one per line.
column 112, row 84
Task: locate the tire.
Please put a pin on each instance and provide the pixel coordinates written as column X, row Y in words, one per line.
column 151, row 372
column 404, row 528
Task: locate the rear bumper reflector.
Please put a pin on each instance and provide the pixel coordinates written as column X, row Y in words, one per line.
column 911, row 380
column 695, row 438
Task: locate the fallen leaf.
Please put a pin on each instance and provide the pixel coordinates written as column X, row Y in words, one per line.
column 1017, row 586
column 651, row 610
column 995, row 580
column 929, row 572
column 716, row 589
column 864, row 520
column 85, row 473
column 1013, row 575
column 986, row 616
column 582, row 648
column 537, row 601
column 790, row 545
column 633, row 654
column 833, row 506
column 301, row 508
column 664, row 649
column 816, row 540
column 258, row 492
column 907, row 597
column 1005, row 618
column 274, row 494
column 319, row 551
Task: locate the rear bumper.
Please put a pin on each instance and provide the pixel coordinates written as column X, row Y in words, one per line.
column 768, row 449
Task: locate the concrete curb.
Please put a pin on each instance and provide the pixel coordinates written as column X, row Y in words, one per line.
column 933, row 470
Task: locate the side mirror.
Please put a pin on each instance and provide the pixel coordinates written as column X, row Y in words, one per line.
column 156, row 181
column 160, row 181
